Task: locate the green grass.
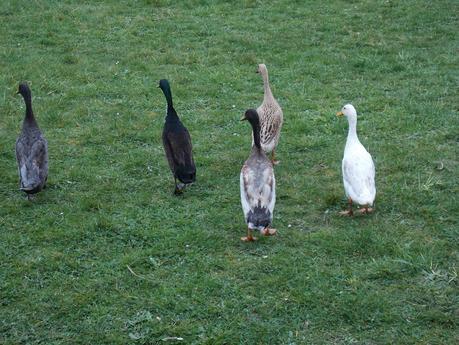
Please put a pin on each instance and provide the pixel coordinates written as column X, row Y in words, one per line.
column 106, row 255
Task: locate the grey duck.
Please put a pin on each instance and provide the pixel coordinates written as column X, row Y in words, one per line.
column 258, row 185
column 31, row 150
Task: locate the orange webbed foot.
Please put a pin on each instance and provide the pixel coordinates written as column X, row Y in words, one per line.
column 268, row 232
column 347, row 213
column 366, row 210
column 248, row 239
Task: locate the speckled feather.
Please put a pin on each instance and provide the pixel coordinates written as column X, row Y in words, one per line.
column 271, row 120
column 271, row 115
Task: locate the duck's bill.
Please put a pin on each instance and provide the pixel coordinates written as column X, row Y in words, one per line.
column 243, row 118
column 339, row 113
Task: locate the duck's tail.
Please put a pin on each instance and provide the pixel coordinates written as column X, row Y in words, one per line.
column 30, row 179
column 186, row 175
column 259, row 218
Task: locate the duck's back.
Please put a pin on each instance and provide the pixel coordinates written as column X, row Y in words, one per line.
column 32, row 159
column 271, row 120
column 29, row 135
column 179, row 150
column 258, row 195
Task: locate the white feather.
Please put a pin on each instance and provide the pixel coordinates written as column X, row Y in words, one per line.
column 23, row 174
column 244, row 201
column 359, row 175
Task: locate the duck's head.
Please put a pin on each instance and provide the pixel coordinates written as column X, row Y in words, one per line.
column 348, row 110
column 24, row 90
column 163, row 84
column 261, row 68
column 251, row 115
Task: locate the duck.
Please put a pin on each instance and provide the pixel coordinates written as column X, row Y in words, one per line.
column 271, row 117
column 31, row 149
column 177, row 144
column 257, row 184
column 357, row 167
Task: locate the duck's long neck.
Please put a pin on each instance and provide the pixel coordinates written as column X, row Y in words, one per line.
column 168, row 94
column 256, row 134
column 268, row 96
column 29, row 116
column 352, row 132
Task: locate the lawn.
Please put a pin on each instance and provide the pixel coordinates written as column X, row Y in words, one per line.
column 107, row 255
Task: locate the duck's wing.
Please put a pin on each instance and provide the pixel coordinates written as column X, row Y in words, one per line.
column 32, row 162
column 359, row 176
column 179, row 152
column 21, row 152
column 271, row 120
column 39, row 155
column 244, row 182
column 268, row 188
column 258, row 190
column 168, row 150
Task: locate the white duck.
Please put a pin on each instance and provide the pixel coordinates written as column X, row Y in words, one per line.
column 258, row 185
column 271, row 117
column 358, row 167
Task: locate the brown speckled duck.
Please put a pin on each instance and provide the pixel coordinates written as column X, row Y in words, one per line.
column 271, row 117
column 31, row 150
column 258, row 185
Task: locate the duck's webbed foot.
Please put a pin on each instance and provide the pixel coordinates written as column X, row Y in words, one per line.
column 249, row 237
column 366, row 210
column 179, row 187
column 268, row 231
column 273, row 158
column 349, row 211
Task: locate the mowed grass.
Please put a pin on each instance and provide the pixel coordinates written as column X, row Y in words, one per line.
column 107, row 255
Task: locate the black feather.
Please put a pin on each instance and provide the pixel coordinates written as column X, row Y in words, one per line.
column 259, row 217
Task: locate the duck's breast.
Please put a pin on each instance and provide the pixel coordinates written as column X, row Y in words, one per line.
column 359, row 175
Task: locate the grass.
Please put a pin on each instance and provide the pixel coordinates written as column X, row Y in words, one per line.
column 106, row 255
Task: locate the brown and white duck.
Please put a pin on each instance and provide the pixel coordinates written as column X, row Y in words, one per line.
column 31, row 150
column 271, row 117
column 258, row 185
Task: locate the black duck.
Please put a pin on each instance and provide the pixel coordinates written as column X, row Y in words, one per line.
column 177, row 144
